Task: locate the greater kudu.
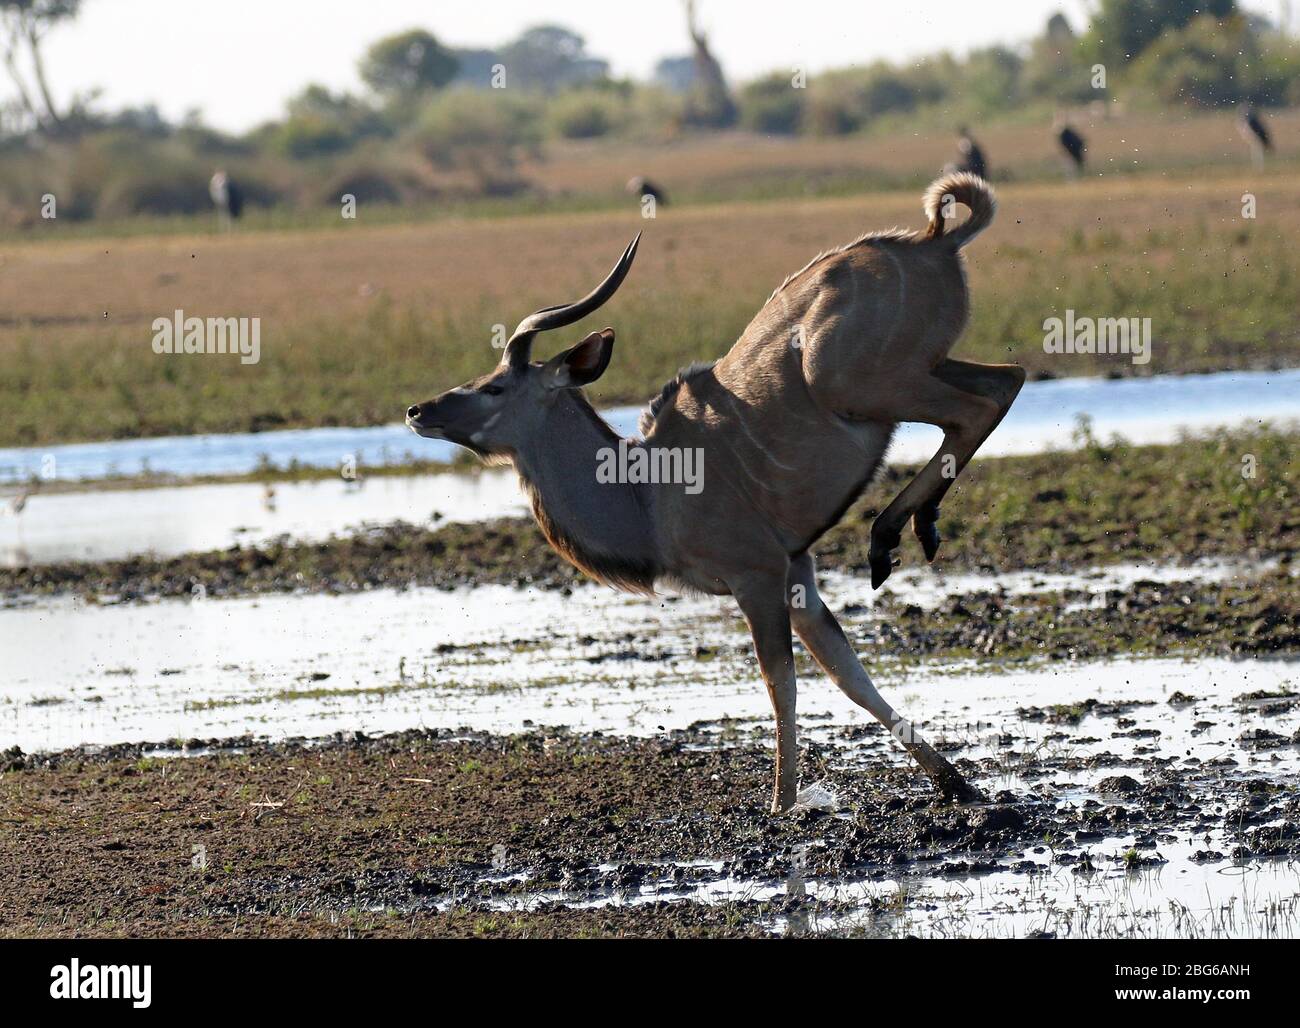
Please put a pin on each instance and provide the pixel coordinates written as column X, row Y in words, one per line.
column 793, row 423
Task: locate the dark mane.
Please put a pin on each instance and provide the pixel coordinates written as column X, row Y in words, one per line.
column 633, row 576
column 648, row 416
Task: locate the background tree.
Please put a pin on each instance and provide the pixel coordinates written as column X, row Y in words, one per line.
column 1055, row 68
column 319, row 123
column 24, row 24
column 709, row 102
column 771, row 104
column 408, row 65
column 1059, row 32
column 481, row 134
column 675, row 73
column 1211, row 62
column 476, row 64
column 548, row 58
column 1122, row 29
column 991, row 77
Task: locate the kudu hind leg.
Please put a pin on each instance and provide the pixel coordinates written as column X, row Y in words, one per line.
column 966, row 419
column 821, row 633
column 998, row 382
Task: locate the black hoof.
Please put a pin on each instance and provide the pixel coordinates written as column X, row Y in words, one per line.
column 880, row 555
column 881, row 565
column 926, row 529
column 929, row 537
column 962, row 791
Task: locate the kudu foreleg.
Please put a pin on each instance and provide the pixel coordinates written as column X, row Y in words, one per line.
column 769, row 623
column 826, row 641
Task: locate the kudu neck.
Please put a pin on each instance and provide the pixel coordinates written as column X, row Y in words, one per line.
column 605, row 528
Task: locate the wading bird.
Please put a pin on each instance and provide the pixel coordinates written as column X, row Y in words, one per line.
column 972, row 157
column 643, row 187
column 1073, row 145
column 227, row 198
column 16, row 506
column 1255, row 133
column 792, row 424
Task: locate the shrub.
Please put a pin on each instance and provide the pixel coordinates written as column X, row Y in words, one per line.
column 772, row 104
column 481, row 132
column 158, row 188
column 304, row 135
column 372, row 182
column 586, row 114
column 832, row 107
column 1210, row 62
column 491, row 121
column 845, row 101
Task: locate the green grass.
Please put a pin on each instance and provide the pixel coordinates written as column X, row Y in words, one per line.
column 1224, row 300
column 1221, row 293
column 1106, row 503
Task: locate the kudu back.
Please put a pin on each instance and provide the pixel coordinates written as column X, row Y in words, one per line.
column 790, row 425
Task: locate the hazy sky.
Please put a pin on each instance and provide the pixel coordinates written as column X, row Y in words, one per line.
column 238, row 60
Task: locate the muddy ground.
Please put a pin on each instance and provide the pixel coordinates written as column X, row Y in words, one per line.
column 553, row 834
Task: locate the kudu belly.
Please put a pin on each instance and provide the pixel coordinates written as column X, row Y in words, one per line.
column 798, row 463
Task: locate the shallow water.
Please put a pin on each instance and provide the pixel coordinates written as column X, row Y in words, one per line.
column 169, row 521
column 1181, row 899
column 1151, row 410
column 166, row 522
column 114, row 524
column 493, row 658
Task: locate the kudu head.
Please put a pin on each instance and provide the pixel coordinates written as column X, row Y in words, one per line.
column 496, row 414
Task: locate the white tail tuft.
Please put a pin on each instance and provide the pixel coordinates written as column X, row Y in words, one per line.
column 965, row 188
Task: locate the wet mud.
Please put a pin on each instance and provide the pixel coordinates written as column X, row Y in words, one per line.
column 552, row 833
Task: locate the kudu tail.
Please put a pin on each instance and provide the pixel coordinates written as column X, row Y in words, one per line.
column 959, row 187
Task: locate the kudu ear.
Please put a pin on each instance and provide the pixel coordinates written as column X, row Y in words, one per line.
column 581, row 364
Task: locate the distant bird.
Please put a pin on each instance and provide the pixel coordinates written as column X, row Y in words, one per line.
column 15, row 506
column 268, row 497
column 1073, row 144
column 227, row 198
column 1252, row 129
column 972, row 157
column 643, row 187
